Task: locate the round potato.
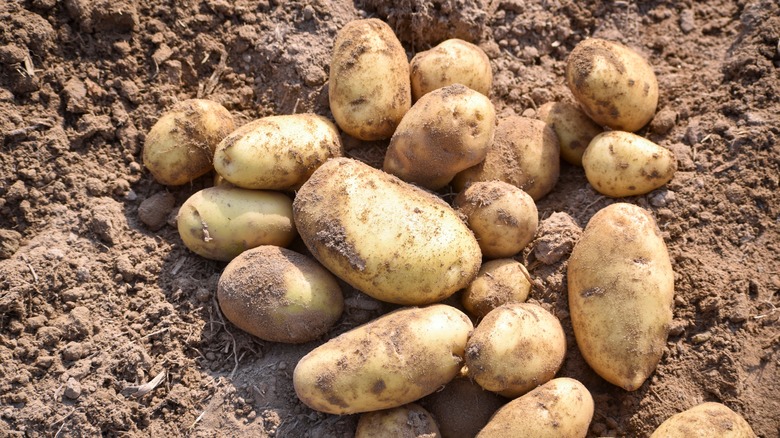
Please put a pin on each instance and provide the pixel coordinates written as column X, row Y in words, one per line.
column 622, row 164
column 277, row 152
column 279, row 295
column 369, row 87
column 614, row 84
column 621, row 291
column 462, row 408
column 388, row 362
column 221, row 222
column 180, row 146
column 704, row 421
column 408, row 421
column 393, row 241
column 498, row 282
column 453, row 61
column 573, row 127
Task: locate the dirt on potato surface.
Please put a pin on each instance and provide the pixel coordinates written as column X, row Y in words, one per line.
column 109, row 325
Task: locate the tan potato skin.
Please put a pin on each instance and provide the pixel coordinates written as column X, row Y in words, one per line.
column 409, row 421
column 621, row 291
column 393, row 360
column 369, row 87
column 453, row 61
column 706, row 420
column 391, row 240
column 573, row 127
column 498, row 282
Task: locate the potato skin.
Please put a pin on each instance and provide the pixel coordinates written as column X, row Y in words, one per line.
column 621, row 291
column 622, row 164
column 408, row 421
column 221, row 222
column 704, row 421
column 462, row 408
column 369, row 87
column 277, row 152
column 388, row 362
column 279, row 295
column 614, row 84
column 498, row 282
column 573, row 127
column 453, row 61
column 391, row 240
column 180, row 146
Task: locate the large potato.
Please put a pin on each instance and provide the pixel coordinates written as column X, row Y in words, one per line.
column 621, row 164
column 393, row 360
column 705, row 421
column 453, row 61
column 408, row 421
column 180, row 146
column 462, row 408
column 279, row 295
column 391, row 240
column 573, row 127
column 614, row 84
column 221, row 222
column 369, row 87
column 621, row 288
column 277, row 152
column 498, row 282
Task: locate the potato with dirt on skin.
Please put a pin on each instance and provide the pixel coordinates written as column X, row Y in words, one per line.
column 706, row 420
column 462, row 407
column 180, row 146
column 408, row 421
column 453, row 61
column 573, row 127
column 498, row 282
column 388, row 362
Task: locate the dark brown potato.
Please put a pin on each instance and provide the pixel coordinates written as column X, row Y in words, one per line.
column 462, row 408
column 408, row 421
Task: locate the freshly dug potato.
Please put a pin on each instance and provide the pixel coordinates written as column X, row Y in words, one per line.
column 453, row 61
column 391, row 240
column 446, row 131
column 524, row 153
column 573, row 127
column 388, row 362
column 614, row 84
column 180, row 146
column 621, row 289
column 621, row 164
column 277, row 152
column 705, row 421
column 561, row 408
column 515, row 348
column 462, row 408
column 369, row 87
column 279, row 295
column 498, row 282
column 408, row 421
column 220, row 223
column 503, row 217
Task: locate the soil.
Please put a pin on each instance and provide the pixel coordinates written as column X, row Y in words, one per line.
column 109, row 325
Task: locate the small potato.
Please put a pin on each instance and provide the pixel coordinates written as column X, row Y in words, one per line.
column 705, row 421
column 462, row 408
column 561, row 408
column 180, row 146
column 446, row 131
column 279, row 295
column 621, row 292
column 503, row 218
column 622, row 164
column 573, row 127
column 369, row 87
column 498, row 282
column 515, row 348
column 524, row 153
column 454, row 61
column 221, row 222
column 391, row 361
column 408, row 421
column 614, row 84
column 277, row 152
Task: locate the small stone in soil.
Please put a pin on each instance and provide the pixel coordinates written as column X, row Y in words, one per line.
column 72, row 389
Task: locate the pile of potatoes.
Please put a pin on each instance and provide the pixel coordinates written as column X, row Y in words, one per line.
column 427, row 368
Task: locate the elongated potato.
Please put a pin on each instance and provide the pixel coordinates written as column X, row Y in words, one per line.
column 498, row 282
column 621, row 291
column 453, row 61
column 408, row 421
column 393, row 360
column 573, row 127
column 705, row 421
column 391, row 240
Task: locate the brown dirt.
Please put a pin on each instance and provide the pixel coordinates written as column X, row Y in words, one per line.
column 93, row 304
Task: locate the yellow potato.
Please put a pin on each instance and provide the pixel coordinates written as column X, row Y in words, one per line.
column 277, row 152
column 408, row 421
column 705, row 421
column 221, row 222
column 498, row 282
column 621, row 291
column 391, row 361
column 462, row 408
column 573, row 127
column 453, row 61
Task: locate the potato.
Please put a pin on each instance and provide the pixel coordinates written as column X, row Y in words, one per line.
column 279, row 295
column 704, row 421
column 277, row 152
column 388, row 362
column 515, row 348
column 614, row 84
column 561, row 408
column 221, row 222
column 524, row 153
column 369, row 87
column 503, row 218
column 408, row 421
column 621, row 289
column 393, row 241
column 498, row 282
column 621, row 164
column 462, row 408
column 453, row 61
column 180, row 146
column 573, row 127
